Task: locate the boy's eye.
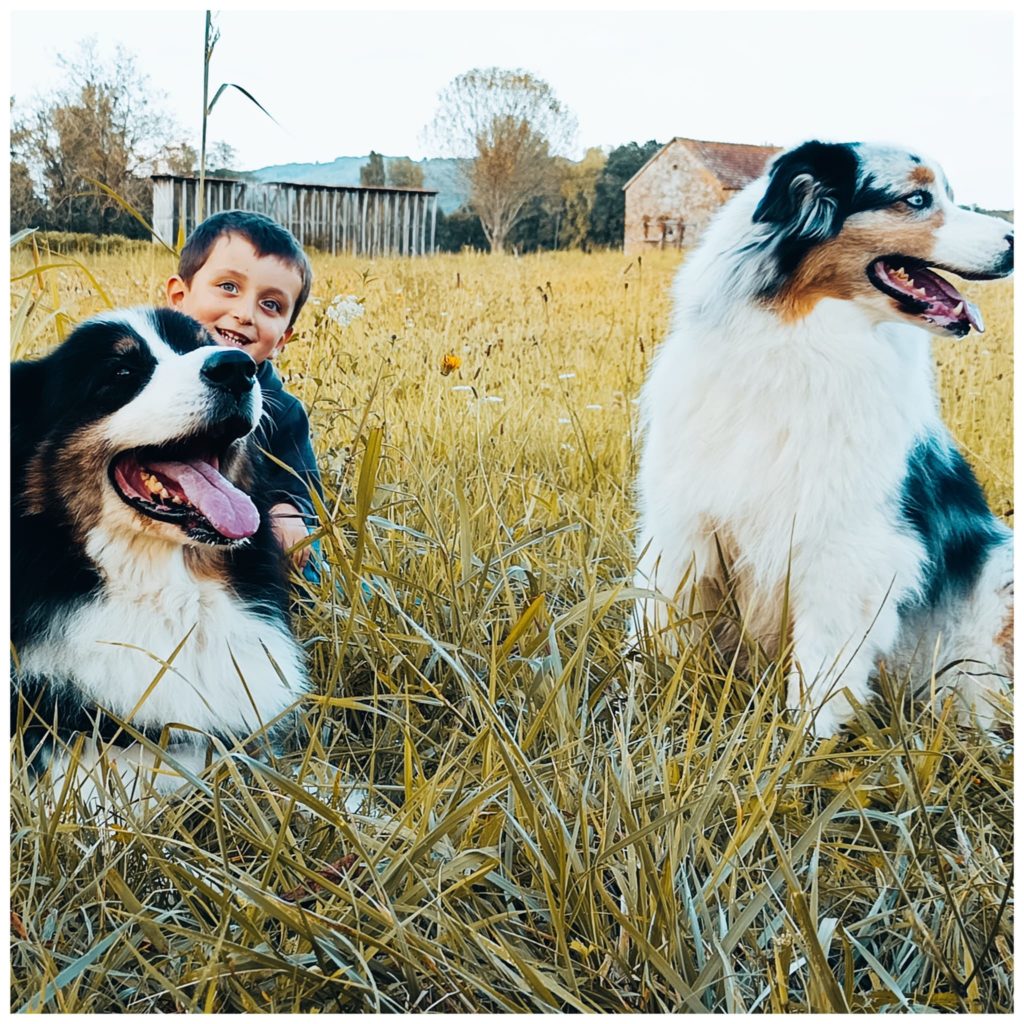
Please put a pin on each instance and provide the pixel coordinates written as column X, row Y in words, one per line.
column 273, row 305
column 229, row 286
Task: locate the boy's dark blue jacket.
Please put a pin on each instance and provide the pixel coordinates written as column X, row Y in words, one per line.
column 284, row 432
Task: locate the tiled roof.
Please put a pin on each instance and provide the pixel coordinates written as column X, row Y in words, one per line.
column 734, row 164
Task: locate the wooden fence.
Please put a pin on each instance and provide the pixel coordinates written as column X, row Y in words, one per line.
column 362, row 220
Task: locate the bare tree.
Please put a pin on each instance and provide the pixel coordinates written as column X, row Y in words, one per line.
column 103, row 126
column 505, row 126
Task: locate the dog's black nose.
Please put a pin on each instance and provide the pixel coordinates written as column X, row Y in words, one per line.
column 229, row 369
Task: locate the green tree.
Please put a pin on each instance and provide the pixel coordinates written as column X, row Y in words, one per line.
column 608, row 216
column 538, row 224
column 404, row 173
column 579, row 192
column 504, row 126
column 458, row 230
column 372, row 172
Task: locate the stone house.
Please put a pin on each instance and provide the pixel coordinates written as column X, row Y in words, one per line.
column 670, row 200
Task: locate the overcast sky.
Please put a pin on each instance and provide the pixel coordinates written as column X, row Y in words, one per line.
column 341, row 83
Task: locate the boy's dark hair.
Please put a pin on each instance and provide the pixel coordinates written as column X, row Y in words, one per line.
column 267, row 237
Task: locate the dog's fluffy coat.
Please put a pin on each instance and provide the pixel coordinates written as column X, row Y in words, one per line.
column 792, row 432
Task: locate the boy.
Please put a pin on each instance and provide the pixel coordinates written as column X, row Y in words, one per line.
column 245, row 278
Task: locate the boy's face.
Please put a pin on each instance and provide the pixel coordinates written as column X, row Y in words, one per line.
column 243, row 299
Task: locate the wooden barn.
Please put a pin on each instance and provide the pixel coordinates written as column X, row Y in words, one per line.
column 361, row 220
column 670, row 200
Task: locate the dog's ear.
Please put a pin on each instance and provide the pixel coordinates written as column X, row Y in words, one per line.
column 27, row 402
column 810, row 191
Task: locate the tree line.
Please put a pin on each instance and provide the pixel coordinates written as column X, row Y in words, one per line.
column 103, row 127
column 584, row 209
column 81, row 160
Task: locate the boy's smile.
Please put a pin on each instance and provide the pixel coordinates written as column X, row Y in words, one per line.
column 243, row 299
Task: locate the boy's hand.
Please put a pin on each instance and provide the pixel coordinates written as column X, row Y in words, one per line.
column 289, row 529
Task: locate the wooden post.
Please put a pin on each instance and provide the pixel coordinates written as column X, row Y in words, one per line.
column 375, row 243
column 163, row 211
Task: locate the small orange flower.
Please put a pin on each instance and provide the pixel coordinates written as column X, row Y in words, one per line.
column 450, row 361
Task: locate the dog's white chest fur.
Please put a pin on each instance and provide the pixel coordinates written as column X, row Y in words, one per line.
column 231, row 660
column 795, row 445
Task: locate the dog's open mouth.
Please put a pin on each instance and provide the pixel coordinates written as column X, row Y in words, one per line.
column 922, row 293
column 186, row 489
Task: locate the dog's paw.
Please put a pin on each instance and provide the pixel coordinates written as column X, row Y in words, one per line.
column 828, row 721
column 821, row 722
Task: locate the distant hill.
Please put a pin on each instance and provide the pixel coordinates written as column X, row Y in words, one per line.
column 438, row 173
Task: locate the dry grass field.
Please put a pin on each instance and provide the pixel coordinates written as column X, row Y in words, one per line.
column 537, row 824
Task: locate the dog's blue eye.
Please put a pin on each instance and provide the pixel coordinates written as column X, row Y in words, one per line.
column 918, row 200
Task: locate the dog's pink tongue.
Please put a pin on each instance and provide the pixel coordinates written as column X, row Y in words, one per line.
column 229, row 510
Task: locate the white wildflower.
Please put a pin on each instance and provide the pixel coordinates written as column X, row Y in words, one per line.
column 566, row 376
column 344, row 309
column 597, row 407
column 494, row 398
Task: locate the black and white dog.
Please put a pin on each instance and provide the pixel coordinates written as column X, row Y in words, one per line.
column 792, row 433
column 136, row 549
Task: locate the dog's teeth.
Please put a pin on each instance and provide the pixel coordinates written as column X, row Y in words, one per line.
column 959, row 309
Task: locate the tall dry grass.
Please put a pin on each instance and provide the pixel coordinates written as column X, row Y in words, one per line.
column 539, row 824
